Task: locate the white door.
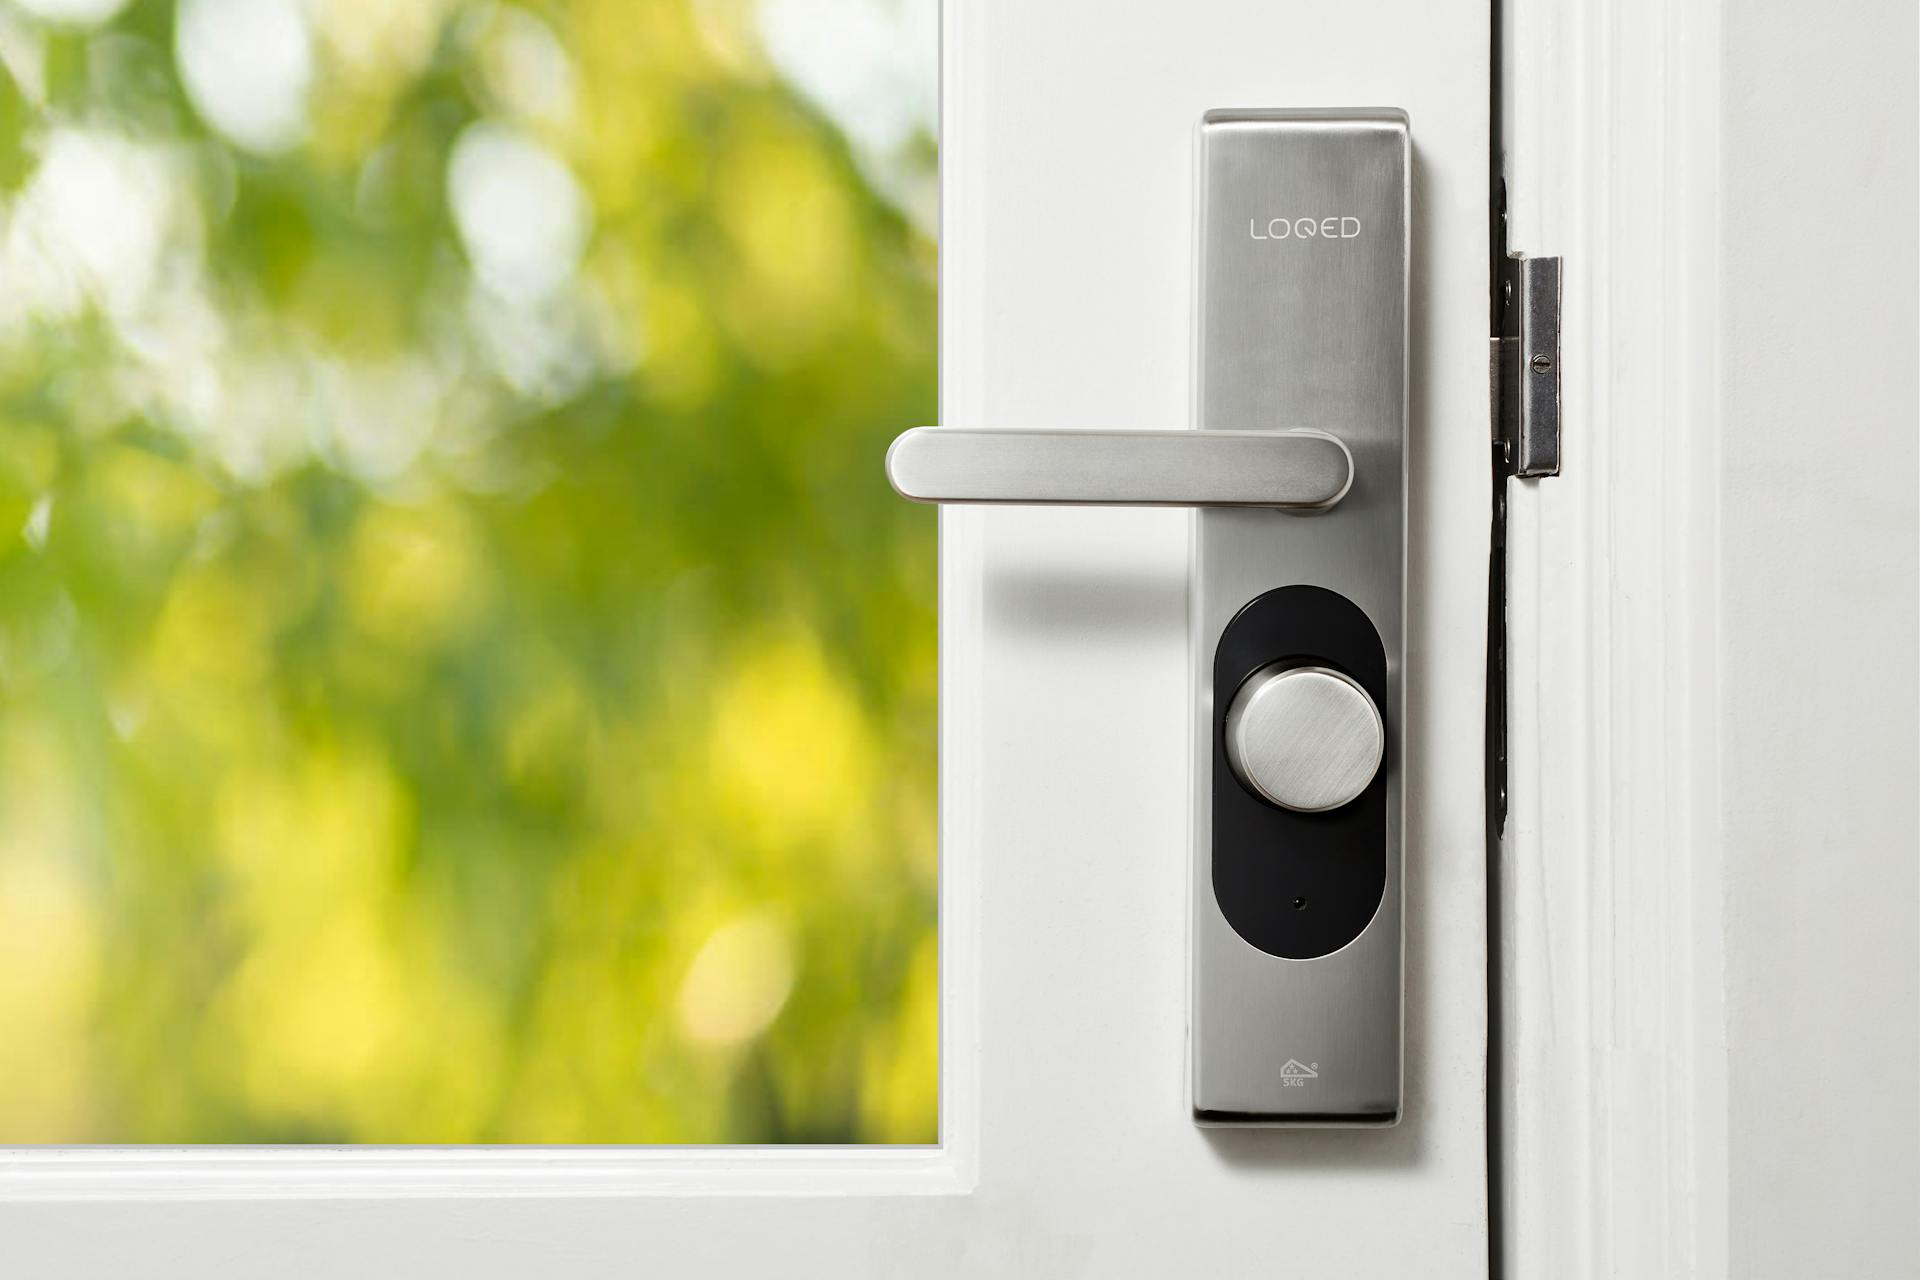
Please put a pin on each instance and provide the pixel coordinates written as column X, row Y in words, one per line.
column 1067, row 1145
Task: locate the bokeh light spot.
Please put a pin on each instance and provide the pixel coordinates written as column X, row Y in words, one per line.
column 248, row 66
column 522, row 217
column 738, row 982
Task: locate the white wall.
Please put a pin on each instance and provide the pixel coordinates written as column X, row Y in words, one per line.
column 1820, row 628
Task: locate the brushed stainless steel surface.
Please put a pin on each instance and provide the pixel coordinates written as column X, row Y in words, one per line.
column 1302, row 330
column 1537, row 443
column 1303, row 737
column 1289, row 470
column 1526, row 366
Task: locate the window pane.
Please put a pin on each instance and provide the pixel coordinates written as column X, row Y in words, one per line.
column 463, row 675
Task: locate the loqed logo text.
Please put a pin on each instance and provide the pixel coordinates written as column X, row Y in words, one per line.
column 1337, row 227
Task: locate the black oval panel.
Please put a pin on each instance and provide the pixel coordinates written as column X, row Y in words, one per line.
column 1298, row 885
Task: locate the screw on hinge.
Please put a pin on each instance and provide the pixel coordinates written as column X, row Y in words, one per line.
column 1541, row 363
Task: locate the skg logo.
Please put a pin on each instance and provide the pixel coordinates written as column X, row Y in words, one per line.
column 1335, row 228
column 1295, row 1074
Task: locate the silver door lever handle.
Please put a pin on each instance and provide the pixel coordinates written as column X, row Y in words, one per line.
column 1287, row 470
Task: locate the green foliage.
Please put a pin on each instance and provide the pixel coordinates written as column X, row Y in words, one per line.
column 447, row 696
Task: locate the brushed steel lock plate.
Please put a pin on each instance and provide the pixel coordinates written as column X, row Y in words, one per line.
column 1303, row 222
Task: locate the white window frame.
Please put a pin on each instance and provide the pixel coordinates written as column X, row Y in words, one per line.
column 950, row 1167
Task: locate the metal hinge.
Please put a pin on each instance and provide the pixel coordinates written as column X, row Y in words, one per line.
column 1525, row 360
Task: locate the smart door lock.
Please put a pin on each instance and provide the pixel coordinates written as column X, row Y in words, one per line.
column 1298, row 624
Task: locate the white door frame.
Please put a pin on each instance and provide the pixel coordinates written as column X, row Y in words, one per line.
column 1612, row 1097
column 1710, row 1012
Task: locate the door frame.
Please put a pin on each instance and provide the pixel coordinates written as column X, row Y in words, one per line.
column 1609, row 1108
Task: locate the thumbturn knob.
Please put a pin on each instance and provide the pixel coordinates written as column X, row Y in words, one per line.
column 1303, row 737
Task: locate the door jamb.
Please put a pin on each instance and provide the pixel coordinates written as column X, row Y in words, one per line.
column 1611, row 1102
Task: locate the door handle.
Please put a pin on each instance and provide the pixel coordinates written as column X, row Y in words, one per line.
column 1298, row 627
column 1299, row 471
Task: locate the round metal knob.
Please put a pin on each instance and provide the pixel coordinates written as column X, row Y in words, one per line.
column 1303, row 737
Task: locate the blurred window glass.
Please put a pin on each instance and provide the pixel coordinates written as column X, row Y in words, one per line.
column 463, row 675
